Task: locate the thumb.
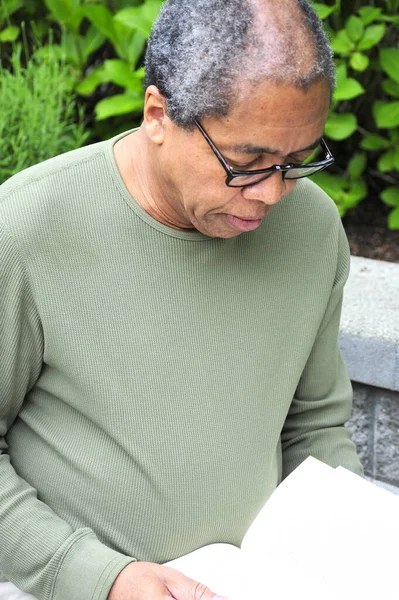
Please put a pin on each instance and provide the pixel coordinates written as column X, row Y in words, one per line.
column 185, row 588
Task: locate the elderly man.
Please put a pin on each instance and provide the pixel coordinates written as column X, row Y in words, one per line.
column 169, row 311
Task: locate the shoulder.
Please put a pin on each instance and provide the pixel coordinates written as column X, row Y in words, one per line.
column 37, row 176
column 318, row 216
column 35, row 199
column 307, row 215
column 308, row 198
column 303, row 234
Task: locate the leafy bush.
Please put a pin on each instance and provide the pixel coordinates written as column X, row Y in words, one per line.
column 38, row 115
column 12, row 13
column 8, row 31
column 87, row 26
column 365, row 114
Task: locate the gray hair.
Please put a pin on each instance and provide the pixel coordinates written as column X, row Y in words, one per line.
column 202, row 53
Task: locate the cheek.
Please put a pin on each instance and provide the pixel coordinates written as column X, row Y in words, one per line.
column 210, row 200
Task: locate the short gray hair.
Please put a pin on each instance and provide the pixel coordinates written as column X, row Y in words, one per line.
column 201, row 51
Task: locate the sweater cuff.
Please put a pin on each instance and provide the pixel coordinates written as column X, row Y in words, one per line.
column 88, row 570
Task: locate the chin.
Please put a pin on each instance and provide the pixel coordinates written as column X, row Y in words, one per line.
column 224, row 235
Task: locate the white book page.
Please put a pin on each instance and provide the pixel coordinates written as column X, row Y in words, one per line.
column 218, row 566
column 324, row 534
column 328, row 533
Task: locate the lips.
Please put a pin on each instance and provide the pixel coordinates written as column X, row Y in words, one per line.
column 247, row 224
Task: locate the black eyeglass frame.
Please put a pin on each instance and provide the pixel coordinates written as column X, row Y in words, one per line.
column 233, row 173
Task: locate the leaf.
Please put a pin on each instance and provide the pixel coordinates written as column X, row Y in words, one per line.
column 359, row 62
column 354, row 28
column 9, row 34
column 396, row 159
column 340, row 126
column 374, row 142
column 75, row 19
column 341, row 73
column 120, row 73
column 390, row 196
column 71, row 44
column 342, row 44
column 40, row 28
column 348, row 89
column 91, row 41
column 394, row 135
column 390, row 19
column 372, row 36
column 389, row 59
column 357, row 165
column 386, row 162
column 102, row 18
column 391, row 87
column 7, row 8
column 368, row 14
column 333, row 185
column 393, row 219
column 95, row 78
column 49, row 53
column 136, row 22
column 140, row 18
column 121, row 104
column 356, row 193
column 386, row 114
column 60, row 9
column 323, row 11
column 66, row 11
column 124, row 37
column 135, row 48
column 150, row 9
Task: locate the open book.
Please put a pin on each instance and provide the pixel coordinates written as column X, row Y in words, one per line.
column 324, row 534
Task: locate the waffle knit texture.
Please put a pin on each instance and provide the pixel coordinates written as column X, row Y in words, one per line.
column 155, row 385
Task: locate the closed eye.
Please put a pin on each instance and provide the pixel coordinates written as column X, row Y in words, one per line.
column 246, row 166
column 254, row 164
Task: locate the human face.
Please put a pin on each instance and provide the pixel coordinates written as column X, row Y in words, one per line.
column 268, row 125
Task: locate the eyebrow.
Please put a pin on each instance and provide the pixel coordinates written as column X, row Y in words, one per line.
column 250, row 149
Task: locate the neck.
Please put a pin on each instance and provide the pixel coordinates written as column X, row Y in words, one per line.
column 140, row 175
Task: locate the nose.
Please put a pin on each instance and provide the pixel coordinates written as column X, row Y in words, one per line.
column 270, row 190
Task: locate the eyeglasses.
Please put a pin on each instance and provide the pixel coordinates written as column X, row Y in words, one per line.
column 237, row 178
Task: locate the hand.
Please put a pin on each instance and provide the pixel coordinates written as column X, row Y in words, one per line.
column 149, row 581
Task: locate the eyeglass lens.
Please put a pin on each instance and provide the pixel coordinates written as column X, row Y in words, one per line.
column 241, row 180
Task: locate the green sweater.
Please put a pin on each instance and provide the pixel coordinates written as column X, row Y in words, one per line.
column 155, row 385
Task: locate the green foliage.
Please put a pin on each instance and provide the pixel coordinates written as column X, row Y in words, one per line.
column 38, row 117
column 8, row 32
column 391, row 197
column 364, row 116
column 86, row 27
column 102, row 40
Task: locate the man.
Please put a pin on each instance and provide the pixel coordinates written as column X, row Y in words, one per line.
column 170, row 305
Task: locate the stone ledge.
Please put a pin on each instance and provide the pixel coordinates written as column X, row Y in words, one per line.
column 375, row 430
column 369, row 338
column 386, row 486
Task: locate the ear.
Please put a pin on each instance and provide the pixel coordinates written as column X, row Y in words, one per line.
column 154, row 114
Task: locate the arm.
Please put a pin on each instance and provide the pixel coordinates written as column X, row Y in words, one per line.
column 39, row 552
column 323, row 399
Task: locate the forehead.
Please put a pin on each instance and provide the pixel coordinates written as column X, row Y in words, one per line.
column 283, row 113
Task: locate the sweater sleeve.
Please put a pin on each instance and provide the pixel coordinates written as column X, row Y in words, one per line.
column 39, row 552
column 323, row 399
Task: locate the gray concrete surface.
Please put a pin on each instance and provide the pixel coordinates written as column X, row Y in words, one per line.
column 375, row 427
column 369, row 337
